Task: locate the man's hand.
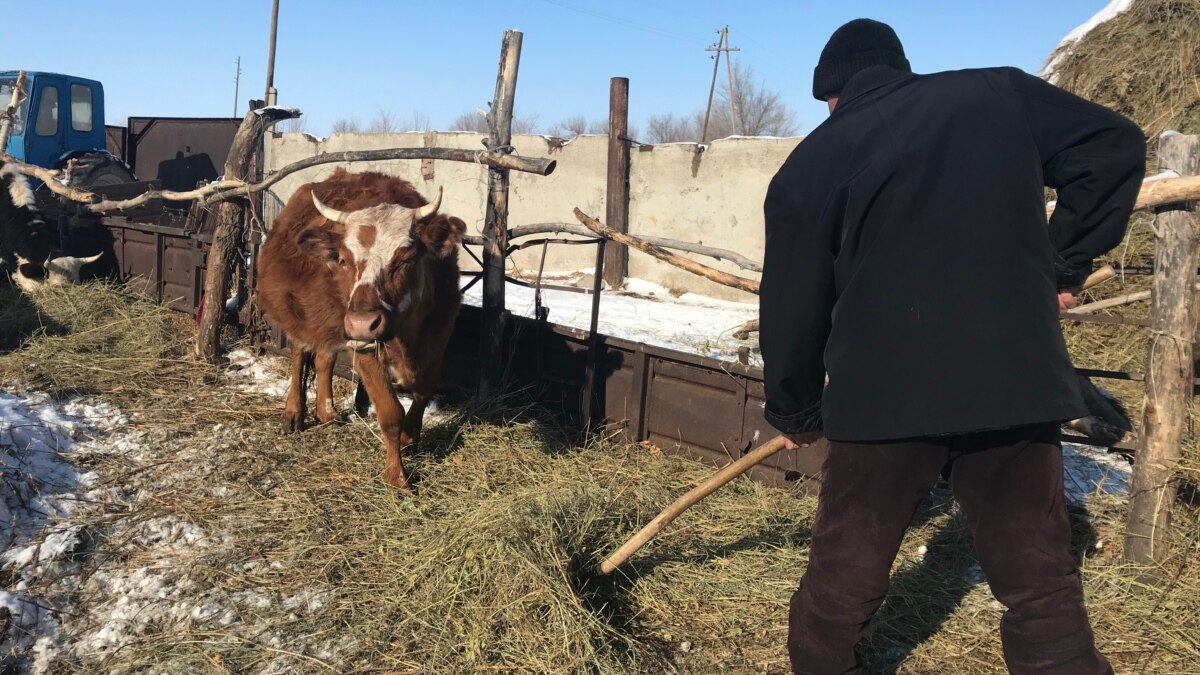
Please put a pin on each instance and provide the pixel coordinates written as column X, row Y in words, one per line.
column 1066, row 300
column 793, row 441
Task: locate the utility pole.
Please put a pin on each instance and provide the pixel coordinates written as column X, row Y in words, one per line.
column 721, row 46
column 272, row 95
column 733, row 118
column 237, row 83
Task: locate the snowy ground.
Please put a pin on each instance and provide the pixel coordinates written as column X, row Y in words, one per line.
column 644, row 312
column 81, row 482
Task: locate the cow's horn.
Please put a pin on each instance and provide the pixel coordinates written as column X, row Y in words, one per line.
column 91, row 259
column 330, row 212
column 430, row 208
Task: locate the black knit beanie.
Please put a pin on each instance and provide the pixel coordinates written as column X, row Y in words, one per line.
column 860, row 44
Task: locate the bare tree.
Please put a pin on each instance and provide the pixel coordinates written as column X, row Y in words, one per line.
column 295, row 125
column 417, row 121
column 760, row 111
column 346, row 126
column 525, row 125
column 671, row 129
column 384, row 122
column 570, row 127
column 470, row 121
column 477, row 122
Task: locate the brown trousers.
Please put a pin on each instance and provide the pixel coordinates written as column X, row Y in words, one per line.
column 1009, row 485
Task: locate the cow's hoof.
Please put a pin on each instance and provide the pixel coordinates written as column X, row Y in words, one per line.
column 397, row 480
column 332, row 417
column 291, row 423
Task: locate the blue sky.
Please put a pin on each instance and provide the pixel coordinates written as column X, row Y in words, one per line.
column 438, row 58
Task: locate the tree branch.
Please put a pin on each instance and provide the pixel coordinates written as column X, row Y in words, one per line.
column 228, row 189
column 714, row 275
column 1158, row 191
column 663, row 242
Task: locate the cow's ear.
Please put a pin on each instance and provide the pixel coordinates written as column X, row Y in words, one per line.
column 441, row 234
column 320, row 243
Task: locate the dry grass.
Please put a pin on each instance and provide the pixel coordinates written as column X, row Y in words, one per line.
column 488, row 567
column 1144, row 64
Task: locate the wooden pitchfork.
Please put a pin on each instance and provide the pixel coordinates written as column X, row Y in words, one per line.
column 750, row 459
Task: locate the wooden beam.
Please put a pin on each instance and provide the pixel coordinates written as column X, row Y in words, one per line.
column 495, row 226
column 616, row 202
column 714, row 275
column 1169, row 366
column 227, row 237
column 227, row 189
column 1158, row 192
column 10, row 111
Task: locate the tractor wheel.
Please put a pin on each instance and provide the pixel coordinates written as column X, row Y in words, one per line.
column 99, row 170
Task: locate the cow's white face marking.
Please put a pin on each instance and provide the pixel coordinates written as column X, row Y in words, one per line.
column 18, row 187
column 373, row 236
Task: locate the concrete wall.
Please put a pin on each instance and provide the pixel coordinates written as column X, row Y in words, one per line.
column 714, row 197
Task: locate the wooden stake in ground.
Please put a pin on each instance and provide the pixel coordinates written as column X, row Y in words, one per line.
column 495, row 224
column 228, row 235
column 616, row 201
column 10, row 113
column 709, row 486
column 1169, row 366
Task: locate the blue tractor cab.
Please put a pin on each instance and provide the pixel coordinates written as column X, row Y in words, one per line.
column 62, row 119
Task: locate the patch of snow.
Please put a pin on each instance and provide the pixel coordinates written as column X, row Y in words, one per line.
column 291, row 112
column 1110, row 11
column 37, row 434
column 643, row 312
column 1092, row 471
column 251, row 374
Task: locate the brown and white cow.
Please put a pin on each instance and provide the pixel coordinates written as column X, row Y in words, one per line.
column 361, row 262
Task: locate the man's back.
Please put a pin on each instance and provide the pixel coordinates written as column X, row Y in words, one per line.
column 927, row 192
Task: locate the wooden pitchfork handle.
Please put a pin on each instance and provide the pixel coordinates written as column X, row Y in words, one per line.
column 755, row 456
column 688, row 500
column 1098, row 277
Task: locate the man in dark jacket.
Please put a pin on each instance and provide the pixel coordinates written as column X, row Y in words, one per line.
column 909, row 261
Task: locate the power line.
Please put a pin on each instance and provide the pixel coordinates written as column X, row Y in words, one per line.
column 623, row 22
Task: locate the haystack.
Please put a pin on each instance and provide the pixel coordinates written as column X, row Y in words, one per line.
column 1144, row 63
column 1142, row 59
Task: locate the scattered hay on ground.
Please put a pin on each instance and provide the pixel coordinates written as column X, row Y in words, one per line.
column 219, row 545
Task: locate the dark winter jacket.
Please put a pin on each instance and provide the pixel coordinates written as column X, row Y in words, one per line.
column 909, row 258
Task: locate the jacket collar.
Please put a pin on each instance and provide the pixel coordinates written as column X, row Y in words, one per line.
column 868, row 80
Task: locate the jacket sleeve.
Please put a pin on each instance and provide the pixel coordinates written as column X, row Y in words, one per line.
column 796, row 298
column 1096, row 159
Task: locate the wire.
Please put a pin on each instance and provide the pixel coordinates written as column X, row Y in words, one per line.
column 624, row 22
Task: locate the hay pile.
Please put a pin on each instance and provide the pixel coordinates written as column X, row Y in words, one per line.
column 272, row 554
column 1145, row 64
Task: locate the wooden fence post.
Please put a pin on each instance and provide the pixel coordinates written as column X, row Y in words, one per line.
column 495, row 226
column 1169, row 364
column 228, row 235
column 10, row 111
column 616, row 257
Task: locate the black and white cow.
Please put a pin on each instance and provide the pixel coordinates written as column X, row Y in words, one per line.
column 29, row 245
